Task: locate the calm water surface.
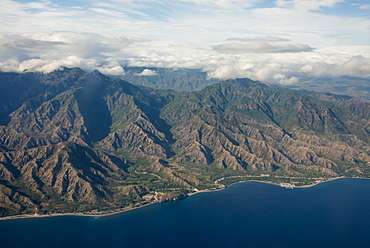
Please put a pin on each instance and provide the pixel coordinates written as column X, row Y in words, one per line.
column 332, row 214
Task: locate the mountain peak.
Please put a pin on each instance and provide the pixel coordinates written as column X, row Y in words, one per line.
column 93, row 142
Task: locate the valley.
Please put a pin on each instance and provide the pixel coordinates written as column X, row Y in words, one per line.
column 73, row 141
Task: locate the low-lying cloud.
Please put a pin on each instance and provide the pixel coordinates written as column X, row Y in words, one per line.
column 261, row 45
column 261, row 59
column 147, row 72
column 259, row 39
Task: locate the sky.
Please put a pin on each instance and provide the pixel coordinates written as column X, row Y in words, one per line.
column 278, row 41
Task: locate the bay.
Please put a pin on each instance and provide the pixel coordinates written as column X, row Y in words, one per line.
column 250, row 214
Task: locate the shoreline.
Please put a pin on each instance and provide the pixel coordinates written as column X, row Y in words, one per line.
column 97, row 215
column 127, row 209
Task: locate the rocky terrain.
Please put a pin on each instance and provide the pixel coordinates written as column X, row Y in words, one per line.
column 72, row 141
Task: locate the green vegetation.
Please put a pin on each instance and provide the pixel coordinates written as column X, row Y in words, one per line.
column 72, row 141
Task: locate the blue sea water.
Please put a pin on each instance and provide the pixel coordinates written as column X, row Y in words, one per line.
column 251, row 214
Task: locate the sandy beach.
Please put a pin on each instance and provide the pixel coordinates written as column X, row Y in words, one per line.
column 98, row 215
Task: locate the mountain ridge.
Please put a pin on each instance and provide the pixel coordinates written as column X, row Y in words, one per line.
column 82, row 142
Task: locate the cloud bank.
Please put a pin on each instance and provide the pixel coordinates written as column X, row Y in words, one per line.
column 261, row 45
column 271, row 63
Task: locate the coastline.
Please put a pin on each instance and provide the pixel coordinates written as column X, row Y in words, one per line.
column 127, row 209
column 98, row 215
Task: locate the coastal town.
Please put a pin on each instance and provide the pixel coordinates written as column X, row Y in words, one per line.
column 283, row 181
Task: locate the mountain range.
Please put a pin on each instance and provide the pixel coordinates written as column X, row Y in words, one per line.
column 192, row 79
column 77, row 141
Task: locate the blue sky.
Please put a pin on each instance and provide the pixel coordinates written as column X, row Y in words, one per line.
column 230, row 37
column 319, row 22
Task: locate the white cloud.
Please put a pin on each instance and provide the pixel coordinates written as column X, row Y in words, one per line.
column 365, row 6
column 45, row 52
column 188, row 34
column 283, row 80
column 222, row 3
column 147, row 72
column 356, row 66
column 268, row 39
column 314, row 28
column 108, row 12
column 199, row 21
column 261, row 47
column 306, row 68
column 307, row 5
column 228, row 4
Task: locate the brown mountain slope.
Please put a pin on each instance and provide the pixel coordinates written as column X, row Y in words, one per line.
column 76, row 141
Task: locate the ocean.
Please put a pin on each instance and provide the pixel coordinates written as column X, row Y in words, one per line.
column 250, row 214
